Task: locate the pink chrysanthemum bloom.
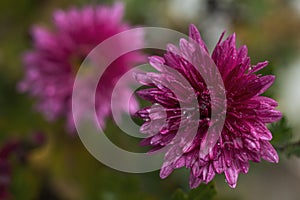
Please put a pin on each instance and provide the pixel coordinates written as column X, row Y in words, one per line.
column 244, row 136
column 50, row 68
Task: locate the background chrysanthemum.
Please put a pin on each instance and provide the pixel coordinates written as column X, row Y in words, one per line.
column 51, row 66
column 244, row 136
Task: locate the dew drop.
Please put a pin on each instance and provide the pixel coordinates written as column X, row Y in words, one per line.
column 240, row 114
column 203, row 106
column 164, row 131
column 227, row 161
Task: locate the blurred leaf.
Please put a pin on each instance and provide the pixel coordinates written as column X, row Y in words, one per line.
column 77, row 175
column 292, row 149
column 282, row 139
column 179, row 195
column 282, row 132
column 25, row 183
column 203, row 192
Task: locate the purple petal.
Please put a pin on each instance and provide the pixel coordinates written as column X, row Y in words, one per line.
column 268, row 153
column 195, row 35
column 231, row 175
column 165, row 171
column 158, row 63
column 258, row 67
column 194, row 181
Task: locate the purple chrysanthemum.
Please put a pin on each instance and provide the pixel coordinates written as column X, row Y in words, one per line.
column 52, row 65
column 244, row 136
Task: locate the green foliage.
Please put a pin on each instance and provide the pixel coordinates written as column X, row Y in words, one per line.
column 179, row 195
column 25, row 183
column 282, row 132
column 292, row 149
column 203, row 192
column 66, row 170
column 282, row 139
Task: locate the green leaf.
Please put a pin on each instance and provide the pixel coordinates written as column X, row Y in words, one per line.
column 282, row 138
column 203, row 192
column 293, row 149
column 179, row 195
column 282, row 133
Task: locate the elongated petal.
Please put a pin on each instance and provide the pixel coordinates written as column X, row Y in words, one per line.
column 244, row 135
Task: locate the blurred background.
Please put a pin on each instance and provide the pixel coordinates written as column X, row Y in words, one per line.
column 57, row 166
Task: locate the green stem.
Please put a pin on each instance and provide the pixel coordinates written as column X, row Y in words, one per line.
column 288, row 146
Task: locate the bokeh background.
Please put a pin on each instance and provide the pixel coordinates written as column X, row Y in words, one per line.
column 61, row 168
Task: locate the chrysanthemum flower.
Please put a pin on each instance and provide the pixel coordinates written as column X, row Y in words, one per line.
column 50, row 68
column 244, row 136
